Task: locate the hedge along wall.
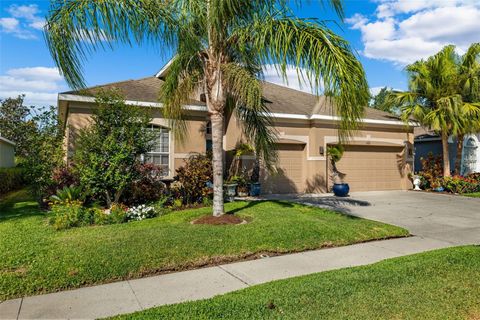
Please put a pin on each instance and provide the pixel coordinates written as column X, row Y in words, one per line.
column 11, row 179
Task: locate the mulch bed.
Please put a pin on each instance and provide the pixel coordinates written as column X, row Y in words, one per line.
column 222, row 220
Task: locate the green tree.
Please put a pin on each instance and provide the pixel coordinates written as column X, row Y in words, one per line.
column 43, row 152
column 220, row 47
column 382, row 102
column 435, row 97
column 16, row 123
column 110, row 147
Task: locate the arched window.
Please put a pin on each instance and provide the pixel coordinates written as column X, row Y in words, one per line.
column 160, row 153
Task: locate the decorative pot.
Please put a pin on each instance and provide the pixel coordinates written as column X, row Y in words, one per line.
column 231, row 191
column 439, row 189
column 341, row 189
column 255, row 188
column 416, row 183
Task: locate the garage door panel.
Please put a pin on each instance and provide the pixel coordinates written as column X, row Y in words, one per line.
column 289, row 177
column 369, row 168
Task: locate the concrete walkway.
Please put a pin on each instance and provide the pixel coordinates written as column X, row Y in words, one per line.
column 457, row 224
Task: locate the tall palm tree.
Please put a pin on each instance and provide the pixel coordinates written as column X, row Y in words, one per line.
column 434, row 98
column 220, row 47
column 469, row 89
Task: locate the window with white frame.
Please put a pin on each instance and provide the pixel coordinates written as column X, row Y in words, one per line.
column 160, row 153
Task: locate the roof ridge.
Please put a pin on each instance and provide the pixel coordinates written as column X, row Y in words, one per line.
column 289, row 88
column 110, row 83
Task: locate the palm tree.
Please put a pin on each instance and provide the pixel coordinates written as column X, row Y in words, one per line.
column 220, row 47
column 434, row 98
column 469, row 88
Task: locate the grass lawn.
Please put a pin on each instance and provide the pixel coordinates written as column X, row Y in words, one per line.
column 442, row 284
column 34, row 258
column 472, row 195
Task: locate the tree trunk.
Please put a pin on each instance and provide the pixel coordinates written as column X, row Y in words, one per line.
column 217, row 148
column 458, row 159
column 445, row 154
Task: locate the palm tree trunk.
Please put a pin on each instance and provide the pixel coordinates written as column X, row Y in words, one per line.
column 458, row 159
column 217, row 148
column 445, row 154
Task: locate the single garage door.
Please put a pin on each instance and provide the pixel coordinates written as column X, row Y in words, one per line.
column 289, row 176
column 370, row 168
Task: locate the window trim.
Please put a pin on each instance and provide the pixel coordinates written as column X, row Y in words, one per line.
column 161, row 153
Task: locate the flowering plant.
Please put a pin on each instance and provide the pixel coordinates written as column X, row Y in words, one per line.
column 140, row 212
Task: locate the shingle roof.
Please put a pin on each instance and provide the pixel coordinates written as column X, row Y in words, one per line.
column 279, row 99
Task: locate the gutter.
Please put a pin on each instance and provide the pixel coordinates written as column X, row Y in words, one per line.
column 79, row 98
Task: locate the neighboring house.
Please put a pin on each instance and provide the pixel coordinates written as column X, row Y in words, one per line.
column 379, row 156
column 429, row 142
column 7, row 153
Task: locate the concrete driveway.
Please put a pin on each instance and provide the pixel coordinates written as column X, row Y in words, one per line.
column 454, row 219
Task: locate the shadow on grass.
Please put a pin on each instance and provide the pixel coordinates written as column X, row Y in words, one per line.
column 18, row 205
column 250, row 204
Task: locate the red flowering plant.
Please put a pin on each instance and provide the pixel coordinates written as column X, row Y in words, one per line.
column 432, row 169
column 459, row 184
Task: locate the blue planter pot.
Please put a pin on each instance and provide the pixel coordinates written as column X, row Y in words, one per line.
column 255, row 189
column 341, row 189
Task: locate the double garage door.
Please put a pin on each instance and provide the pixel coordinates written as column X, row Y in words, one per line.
column 370, row 168
column 366, row 168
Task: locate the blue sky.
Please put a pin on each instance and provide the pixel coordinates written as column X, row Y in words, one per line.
column 387, row 35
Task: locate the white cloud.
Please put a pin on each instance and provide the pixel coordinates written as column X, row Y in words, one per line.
column 24, row 20
column 403, row 31
column 9, row 24
column 39, row 84
column 292, row 81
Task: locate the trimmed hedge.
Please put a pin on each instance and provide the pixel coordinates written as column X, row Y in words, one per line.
column 11, row 179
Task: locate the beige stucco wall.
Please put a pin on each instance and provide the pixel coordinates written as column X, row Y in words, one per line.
column 314, row 135
column 7, row 155
column 318, row 134
column 79, row 116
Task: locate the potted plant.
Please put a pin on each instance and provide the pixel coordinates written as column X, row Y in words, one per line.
column 255, row 186
column 230, row 188
column 340, row 188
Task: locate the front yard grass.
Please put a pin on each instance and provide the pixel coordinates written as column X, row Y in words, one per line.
column 472, row 195
column 442, row 284
column 34, row 258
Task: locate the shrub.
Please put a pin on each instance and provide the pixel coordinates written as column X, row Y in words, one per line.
column 162, row 205
column 459, row 184
column 193, row 179
column 68, row 194
column 68, row 215
column 432, row 168
column 62, row 176
column 108, row 151
column 147, row 186
column 116, row 214
column 11, row 179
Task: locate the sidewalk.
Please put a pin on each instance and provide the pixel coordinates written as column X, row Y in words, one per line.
column 135, row 295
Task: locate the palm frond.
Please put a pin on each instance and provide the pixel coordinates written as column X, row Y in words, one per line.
column 258, row 127
column 184, row 77
column 243, row 85
column 321, row 57
column 76, row 28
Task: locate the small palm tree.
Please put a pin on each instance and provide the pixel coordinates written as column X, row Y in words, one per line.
column 435, row 97
column 219, row 47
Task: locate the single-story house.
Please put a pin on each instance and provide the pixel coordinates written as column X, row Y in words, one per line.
column 7, row 153
column 427, row 142
column 378, row 157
